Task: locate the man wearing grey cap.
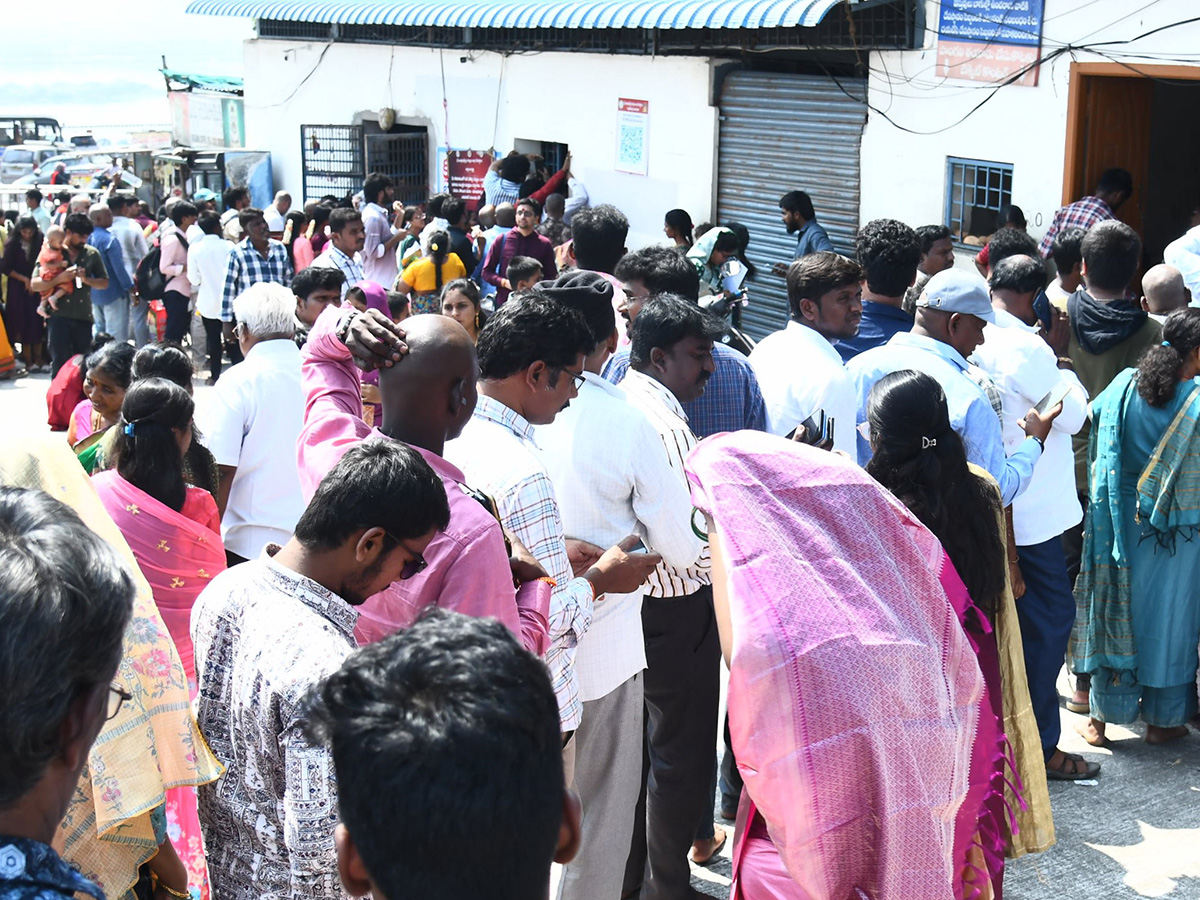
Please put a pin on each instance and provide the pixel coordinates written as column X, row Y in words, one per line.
column 950, row 317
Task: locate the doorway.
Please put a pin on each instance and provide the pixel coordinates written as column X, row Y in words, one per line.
column 1145, row 119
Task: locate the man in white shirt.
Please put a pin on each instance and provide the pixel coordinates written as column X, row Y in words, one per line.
column 276, row 213
column 133, row 248
column 611, row 479
column 207, row 261
column 380, row 238
column 33, row 200
column 670, row 363
column 799, row 371
column 235, row 199
column 530, row 357
column 1023, row 367
column 1184, row 254
column 252, row 423
column 1163, row 292
column 343, row 252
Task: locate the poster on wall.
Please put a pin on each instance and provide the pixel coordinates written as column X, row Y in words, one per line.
column 633, row 136
column 461, row 172
column 207, row 120
column 990, row 40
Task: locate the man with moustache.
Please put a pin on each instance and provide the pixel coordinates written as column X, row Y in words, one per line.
column 798, row 369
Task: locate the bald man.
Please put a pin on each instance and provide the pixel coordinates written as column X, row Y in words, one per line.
column 110, row 305
column 428, row 395
column 1163, row 292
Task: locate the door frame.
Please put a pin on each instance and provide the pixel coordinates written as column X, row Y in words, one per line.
column 1073, row 186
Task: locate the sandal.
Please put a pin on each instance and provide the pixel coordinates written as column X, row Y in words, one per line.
column 1069, row 769
column 714, row 844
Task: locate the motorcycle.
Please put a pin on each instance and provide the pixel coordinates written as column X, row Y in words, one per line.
column 728, row 306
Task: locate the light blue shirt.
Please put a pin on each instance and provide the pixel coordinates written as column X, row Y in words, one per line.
column 971, row 414
column 812, row 238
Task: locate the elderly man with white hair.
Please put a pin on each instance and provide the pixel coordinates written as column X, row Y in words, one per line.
column 110, row 305
column 252, row 422
column 276, row 213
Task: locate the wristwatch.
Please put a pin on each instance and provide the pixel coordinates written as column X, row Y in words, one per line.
column 344, row 329
column 1041, row 443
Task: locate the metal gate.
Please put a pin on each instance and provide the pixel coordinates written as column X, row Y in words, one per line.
column 332, row 157
column 781, row 133
column 402, row 157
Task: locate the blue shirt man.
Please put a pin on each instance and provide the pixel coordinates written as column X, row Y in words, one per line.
column 110, row 305
column 880, row 323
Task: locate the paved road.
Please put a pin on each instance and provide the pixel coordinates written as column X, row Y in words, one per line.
column 1134, row 833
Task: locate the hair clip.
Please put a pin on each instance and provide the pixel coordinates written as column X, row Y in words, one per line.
column 128, row 429
column 926, row 443
column 1166, row 343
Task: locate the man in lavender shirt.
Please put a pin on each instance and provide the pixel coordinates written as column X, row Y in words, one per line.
column 380, row 238
column 427, row 399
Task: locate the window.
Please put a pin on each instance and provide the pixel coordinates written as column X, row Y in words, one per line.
column 976, row 192
column 333, row 160
column 403, row 158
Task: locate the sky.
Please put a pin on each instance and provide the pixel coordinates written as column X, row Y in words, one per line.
column 108, row 74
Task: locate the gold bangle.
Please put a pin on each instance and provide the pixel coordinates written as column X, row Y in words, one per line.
column 179, row 895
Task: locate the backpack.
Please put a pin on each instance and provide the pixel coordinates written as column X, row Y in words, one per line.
column 151, row 282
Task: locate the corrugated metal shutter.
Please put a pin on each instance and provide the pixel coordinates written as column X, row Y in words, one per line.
column 781, row 133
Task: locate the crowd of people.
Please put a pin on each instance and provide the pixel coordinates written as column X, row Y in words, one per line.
column 432, row 590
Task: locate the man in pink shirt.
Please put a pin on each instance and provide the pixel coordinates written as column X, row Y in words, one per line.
column 427, row 399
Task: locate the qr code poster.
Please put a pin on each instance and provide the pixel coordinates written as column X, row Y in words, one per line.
column 633, row 136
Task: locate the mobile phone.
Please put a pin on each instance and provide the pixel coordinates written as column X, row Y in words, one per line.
column 639, row 547
column 1056, row 394
column 826, row 441
column 810, row 430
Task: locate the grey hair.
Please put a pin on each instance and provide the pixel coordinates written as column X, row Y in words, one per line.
column 65, row 600
column 97, row 211
column 80, row 203
column 282, row 195
column 266, row 308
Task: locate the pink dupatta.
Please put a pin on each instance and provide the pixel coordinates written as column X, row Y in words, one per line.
column 178, row 555
column 855, row 698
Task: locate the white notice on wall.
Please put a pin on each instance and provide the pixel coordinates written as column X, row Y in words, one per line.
column 633, row 136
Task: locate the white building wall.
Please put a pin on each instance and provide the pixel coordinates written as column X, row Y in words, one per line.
column 492, row 101
column 904, row 174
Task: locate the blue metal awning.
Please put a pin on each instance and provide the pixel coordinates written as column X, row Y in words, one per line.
column 661, row 14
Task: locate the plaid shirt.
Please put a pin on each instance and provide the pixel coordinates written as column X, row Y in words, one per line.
column 350, row 266
column 247, row 267
column 497, row 453
column 1081, row 214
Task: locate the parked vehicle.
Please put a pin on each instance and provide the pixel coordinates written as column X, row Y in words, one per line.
column 17, row 160
column 26, row 129
column 82, row 169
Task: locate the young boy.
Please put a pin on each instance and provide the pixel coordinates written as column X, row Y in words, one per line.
column 398, row 307
column 523, row 272
column 445, row 741
column 52, row 263
column 1069, row 261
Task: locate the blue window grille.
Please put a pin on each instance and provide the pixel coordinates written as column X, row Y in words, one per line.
column 976, row 192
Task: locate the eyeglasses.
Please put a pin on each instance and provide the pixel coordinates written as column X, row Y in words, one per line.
column 415, row 565
column 525, row 211
column 117, row 697
column 576, row 377
column 864, row 430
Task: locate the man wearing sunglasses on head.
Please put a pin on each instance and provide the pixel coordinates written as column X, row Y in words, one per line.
column 268, row 630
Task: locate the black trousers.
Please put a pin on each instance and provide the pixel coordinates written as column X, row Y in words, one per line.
column 214, row 345
column 682, row 690
column 66, row 337
column 177, row 316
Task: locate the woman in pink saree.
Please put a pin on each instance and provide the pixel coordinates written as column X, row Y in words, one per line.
column 858, row 712
column 173, row 530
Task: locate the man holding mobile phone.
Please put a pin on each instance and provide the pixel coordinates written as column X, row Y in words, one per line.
column 1025, row 370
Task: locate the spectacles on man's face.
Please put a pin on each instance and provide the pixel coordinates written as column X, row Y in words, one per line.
column 415, row 565
column 117, row 697
column 524, row 211
column 576, row 377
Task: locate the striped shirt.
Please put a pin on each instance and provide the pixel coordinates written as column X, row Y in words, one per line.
column 247, row 266
column 500, row 190
column 666, row 415
column 350, row 266
column 497, row 453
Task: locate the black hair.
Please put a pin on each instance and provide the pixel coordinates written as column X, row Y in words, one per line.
column 530, row 186
column 35, row 245
column 663, row 270
column 321, row 215
column 522, row 268
column 34, row 194
column 409, row 212
column 813, row 276
column 340, row 218
column 889, row 252
column 182, row 210
column 1006, row 242
column 1113, row 180
column 465, row 286
column 922, row 460
column 439, row 252
column 1159, row 367
column 147, row 451
column 119, row 201
column 452, row 719
column 398, row 302
column 929, row 235
column 163, row 361
column 298, row 220
column 743, row 236
column 209, row 222
column 78, row 223
column 1013, row 216
column 377, row 484
column 1111, row 253
column 664, row 321
column 681, row 223
column 114, row 359
column 99, row 340
column 534, row 205
column 1065, row 249
column 248, row 215
column 1022, row 274
column 799, row 202
column 598, row 234
column 63, row 196
column 232, row 196
column 65, row 602
column 453, row 209
column 514, row 168
column 316, row 278
column 374, row 183
column 531, row 328
column 433, row 206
